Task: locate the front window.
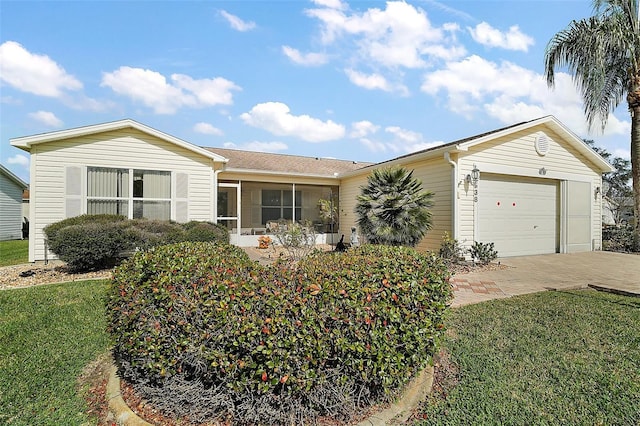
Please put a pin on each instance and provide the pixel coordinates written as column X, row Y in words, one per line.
column 278, row 204
column 130, row 193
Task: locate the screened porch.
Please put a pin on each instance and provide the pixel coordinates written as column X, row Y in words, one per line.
column 251, row 209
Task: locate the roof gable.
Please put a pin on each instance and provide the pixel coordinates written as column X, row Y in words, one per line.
column 27, row 142
column 463, row 145
column 22, row 184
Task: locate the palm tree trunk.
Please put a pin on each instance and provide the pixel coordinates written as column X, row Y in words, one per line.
column 634, row 107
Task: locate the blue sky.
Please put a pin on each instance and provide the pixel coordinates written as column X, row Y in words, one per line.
column 359, row 80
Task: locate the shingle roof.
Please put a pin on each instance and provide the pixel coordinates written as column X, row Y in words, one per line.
column 284, row 163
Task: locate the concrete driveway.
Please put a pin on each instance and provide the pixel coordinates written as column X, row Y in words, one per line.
column 528, row 274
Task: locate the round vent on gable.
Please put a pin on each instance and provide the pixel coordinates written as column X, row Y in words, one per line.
column 542, row 144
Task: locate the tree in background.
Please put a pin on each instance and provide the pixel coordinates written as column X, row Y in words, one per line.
column 393, row 209
column 603, row 54
column 615, row 189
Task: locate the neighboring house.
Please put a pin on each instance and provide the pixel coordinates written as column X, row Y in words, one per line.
column 11, row 187
column 617, row 211
column 535, row 189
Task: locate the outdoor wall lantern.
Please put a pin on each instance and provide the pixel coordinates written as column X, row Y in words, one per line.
column 475, row 173
column 467, row 179
column 597, row 191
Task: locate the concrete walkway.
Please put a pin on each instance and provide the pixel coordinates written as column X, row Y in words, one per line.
column 609, row 271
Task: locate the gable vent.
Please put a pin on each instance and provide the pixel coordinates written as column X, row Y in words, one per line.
column 542, row 144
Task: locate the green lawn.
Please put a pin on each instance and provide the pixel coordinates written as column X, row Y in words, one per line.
column 14, row 252
column 551, row 358
column 47, row 335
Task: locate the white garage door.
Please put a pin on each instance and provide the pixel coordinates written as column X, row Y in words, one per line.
column 520, row 215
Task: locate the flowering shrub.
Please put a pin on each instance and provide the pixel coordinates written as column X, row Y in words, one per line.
column 264, row 241
column 201, row 331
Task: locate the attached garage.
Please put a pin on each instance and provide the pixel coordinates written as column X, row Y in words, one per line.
column 531, row 188
column 520, row 215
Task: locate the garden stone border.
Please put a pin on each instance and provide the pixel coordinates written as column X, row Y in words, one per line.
column 399, row 412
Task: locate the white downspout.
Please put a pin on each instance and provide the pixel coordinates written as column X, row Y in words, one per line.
column 454, row 196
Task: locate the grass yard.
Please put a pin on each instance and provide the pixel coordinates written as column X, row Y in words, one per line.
column 47, row 335
column 551, row 358
column 14, row 252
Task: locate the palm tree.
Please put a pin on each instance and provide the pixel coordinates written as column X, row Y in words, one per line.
column 392, row 208
column 603, row 54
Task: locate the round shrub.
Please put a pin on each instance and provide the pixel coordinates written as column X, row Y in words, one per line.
column 50, row 231
column 150, row 233
column 206, row 231
column 91, row 246
column 88, row 251
column 203, row 332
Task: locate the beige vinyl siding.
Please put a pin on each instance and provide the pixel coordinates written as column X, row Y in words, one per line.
column 127, row 148
column 349, row 191
column 10, row 209
column 435, row 175
column 515, row 154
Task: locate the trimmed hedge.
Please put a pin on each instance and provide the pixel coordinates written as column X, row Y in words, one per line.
column 203, row 332
column 91, row 242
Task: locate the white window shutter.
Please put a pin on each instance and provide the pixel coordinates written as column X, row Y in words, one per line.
column 73, row 191
column 182, row 197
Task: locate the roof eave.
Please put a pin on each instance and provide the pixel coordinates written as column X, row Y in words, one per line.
column 276, row 173
column 424, row 155
column 14, row 178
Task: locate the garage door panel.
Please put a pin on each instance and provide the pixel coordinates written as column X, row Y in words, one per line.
column 578, row 216
column 519, row 215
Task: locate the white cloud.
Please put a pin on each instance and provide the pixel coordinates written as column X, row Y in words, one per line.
column 237, row 23
column 34, row 73
column 265, row 146
column 375, row 82
column 307, row 59
column 514, row 39
column 19, row 159
column 403, row 134
column 363, row 128
column 331, row 4
column 275, row 117
column 511, row 94
column 401, row 35
column 207, row 129
column 622, row 153
column 373, row 146
column 153, row 90
column 47, row 118
column 10, row 100
column 368, row 81
column 407, row 141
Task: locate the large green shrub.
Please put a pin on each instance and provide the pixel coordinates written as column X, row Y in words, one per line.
column 51, row 230
column 201, row 331
column 91, row 242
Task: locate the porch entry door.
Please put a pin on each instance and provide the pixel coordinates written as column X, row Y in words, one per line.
column 228, row 208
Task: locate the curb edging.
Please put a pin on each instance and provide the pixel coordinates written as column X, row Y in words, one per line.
column 398, row 412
